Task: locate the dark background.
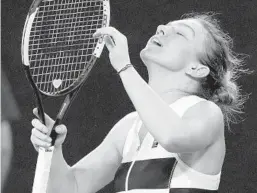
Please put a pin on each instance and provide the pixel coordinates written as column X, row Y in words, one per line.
column 103, row 100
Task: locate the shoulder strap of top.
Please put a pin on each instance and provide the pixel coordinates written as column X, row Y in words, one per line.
column 183, row 104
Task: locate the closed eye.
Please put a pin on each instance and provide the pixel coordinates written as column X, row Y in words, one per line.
column 181, row 35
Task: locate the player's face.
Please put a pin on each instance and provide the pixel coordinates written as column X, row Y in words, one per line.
column 175, row 45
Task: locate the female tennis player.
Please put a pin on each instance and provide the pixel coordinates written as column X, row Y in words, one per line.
column 174, row 141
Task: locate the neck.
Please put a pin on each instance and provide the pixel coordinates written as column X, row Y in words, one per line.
column 170, row 85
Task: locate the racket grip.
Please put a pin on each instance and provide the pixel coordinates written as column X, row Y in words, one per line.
column 42, row 170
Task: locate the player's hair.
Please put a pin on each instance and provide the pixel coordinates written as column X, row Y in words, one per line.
column 225, row 68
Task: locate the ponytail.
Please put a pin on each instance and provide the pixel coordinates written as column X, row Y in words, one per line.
column 226, row 94
column 229, row 99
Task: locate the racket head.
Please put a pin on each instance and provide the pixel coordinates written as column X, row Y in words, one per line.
column 58, row 49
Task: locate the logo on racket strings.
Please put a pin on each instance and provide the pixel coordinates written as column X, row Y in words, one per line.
column 57, row 83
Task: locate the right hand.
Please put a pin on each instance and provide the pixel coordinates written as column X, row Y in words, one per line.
column 40, row 132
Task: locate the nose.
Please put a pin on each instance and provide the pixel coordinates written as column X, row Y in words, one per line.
column 164, row 29
column 160, row 30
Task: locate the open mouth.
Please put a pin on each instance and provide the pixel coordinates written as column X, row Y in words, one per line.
column 156, row 42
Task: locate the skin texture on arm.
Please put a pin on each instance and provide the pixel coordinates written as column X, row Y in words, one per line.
column 200, row 126
column 98, row 168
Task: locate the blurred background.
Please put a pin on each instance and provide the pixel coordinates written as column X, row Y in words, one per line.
column 103, row 100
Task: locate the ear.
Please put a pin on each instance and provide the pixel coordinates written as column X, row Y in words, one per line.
column 198, row 71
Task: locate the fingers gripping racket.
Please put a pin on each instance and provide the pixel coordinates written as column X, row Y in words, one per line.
column 58, row 53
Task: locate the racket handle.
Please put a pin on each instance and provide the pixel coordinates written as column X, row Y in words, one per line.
column 42, row 170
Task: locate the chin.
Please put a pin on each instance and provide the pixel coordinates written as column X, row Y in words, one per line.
column 147, row 55
column 149, row 58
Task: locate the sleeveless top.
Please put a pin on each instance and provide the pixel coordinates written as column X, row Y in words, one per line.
column 152, row 169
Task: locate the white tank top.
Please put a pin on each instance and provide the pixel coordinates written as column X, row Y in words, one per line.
column 152, row 169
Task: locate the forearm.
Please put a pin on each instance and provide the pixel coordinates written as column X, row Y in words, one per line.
column 61, row 179
column 156, row 114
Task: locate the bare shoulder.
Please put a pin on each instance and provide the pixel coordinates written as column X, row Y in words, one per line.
column 206, row 109
column 207, row 113
column 124, row 124
column 129, row 117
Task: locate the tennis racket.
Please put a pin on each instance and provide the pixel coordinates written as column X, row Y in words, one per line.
column 58, row 53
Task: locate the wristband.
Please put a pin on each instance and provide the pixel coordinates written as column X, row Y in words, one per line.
column 125, row 68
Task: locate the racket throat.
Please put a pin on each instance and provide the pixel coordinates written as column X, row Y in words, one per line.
column 65, row 106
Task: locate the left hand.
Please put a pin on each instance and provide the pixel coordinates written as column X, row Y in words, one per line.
column 117, row 45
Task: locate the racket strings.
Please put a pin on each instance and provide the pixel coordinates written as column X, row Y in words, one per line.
column 61, row 43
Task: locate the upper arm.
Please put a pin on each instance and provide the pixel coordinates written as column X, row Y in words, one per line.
column 200, row 127
column 98, row 168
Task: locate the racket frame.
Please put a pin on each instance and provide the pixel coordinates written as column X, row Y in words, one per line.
column 25, row 47
column 43, row 165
